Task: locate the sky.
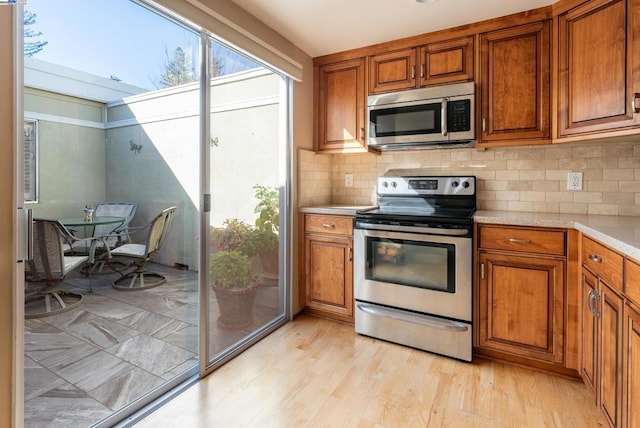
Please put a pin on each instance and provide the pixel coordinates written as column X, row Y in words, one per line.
column 108, row 38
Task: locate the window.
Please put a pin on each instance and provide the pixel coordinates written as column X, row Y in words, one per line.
column 30, row 160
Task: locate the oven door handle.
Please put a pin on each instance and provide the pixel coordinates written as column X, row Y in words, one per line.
column 419, row 319
column 412, row 229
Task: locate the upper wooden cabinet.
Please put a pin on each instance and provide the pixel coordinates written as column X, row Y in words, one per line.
column 515, row 84
column 598, row 71
column 392, row 71
column 340, row 103
column 447, row 62
column 435, row 63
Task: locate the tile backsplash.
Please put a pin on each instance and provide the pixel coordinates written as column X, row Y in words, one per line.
column 530, row 178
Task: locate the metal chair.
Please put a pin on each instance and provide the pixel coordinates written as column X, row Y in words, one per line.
column 48, row 267
column 138, row 254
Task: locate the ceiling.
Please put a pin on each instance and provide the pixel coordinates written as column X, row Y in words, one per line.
column 321, row 27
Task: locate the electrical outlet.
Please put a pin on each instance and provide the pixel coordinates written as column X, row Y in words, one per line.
column 574, row 181
column 348, row 180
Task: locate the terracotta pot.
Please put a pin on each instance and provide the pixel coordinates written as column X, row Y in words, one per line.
column 235, row 305
column 270, row 268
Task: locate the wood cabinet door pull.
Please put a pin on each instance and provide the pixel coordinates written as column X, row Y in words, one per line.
column 635, row 102
column 481, row 270
column 328, row 225
column 413, row 72
column 421, row 70
column 595, row 258
column 350, row 254
column 519, row 241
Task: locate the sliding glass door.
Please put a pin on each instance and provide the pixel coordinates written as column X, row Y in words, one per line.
column 124, row 104
column 244, row 294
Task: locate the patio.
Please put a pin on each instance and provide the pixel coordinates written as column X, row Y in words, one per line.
column 82, row 365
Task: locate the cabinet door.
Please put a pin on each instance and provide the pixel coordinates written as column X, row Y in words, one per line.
column 611, row 321
column 329, row 269
column 631, row 372
column 521, row 300
column 392, row 71
column 598, row 72
column 514, row 83
column 340, row 107
column 589, row 335
column 447, row 62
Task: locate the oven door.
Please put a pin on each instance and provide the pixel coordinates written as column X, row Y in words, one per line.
column 425, row 273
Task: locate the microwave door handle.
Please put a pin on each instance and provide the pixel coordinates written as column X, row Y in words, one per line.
column 443, row 117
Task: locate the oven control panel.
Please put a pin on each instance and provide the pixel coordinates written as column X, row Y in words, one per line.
column 427, row 185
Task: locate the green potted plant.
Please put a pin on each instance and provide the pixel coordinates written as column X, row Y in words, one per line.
column 262, row 240
column 230, row 275
column 229, row 236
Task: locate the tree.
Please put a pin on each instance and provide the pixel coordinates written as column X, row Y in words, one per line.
column 178, row 69
column 31, row 48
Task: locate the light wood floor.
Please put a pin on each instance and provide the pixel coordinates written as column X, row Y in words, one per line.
column 317, row 373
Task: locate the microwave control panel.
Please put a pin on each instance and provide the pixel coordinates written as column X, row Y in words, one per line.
column 459, row 115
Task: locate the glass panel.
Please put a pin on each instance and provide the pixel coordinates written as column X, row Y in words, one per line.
column 246, row 166
column 116, row 94
column 422, row 119
column 411, row 263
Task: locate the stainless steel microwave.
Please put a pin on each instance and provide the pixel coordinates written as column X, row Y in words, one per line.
column 436, row 117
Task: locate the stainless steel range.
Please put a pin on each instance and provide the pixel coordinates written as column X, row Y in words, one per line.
column 413, row 264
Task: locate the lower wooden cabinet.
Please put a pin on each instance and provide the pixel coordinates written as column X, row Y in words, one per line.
column 631, row 369
column 602, row 305
column 521, row 301
column 328, row 247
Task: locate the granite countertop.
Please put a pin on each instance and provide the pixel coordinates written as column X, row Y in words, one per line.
column 619, row 232
column 334, row 209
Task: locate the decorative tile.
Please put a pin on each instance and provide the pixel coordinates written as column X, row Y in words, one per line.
column 93, row 371
column 153, row 324
column 123, row 389
column 151, row 354
column 57, row 412
column 101, row 332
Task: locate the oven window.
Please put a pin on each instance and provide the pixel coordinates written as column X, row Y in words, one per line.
column 412, row 263
column 411, row 120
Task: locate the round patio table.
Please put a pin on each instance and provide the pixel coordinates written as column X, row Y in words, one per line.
column 77, row 222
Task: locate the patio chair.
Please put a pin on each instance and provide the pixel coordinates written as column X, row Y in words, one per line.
column 138, row 254
column 46, row 270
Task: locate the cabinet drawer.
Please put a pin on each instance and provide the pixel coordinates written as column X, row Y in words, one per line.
column 526, row 240
column 328, row 224
column 632, row 280
column 602, row 261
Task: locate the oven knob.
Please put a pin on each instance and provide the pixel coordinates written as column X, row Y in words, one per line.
column 465, row 184
column 394, row 184
column 385, row 184
column 454, row 184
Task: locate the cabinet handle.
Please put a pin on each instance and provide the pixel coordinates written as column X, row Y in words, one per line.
column 519, row 241
column 484, row 125
column 421, row 70
column 635, row 102
column 328, row 225
column 413, row 72
column 350, row 254
column 590, row 296
column 481, row 270
column 596, row 297
column 595, row 258
column 362, row 134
